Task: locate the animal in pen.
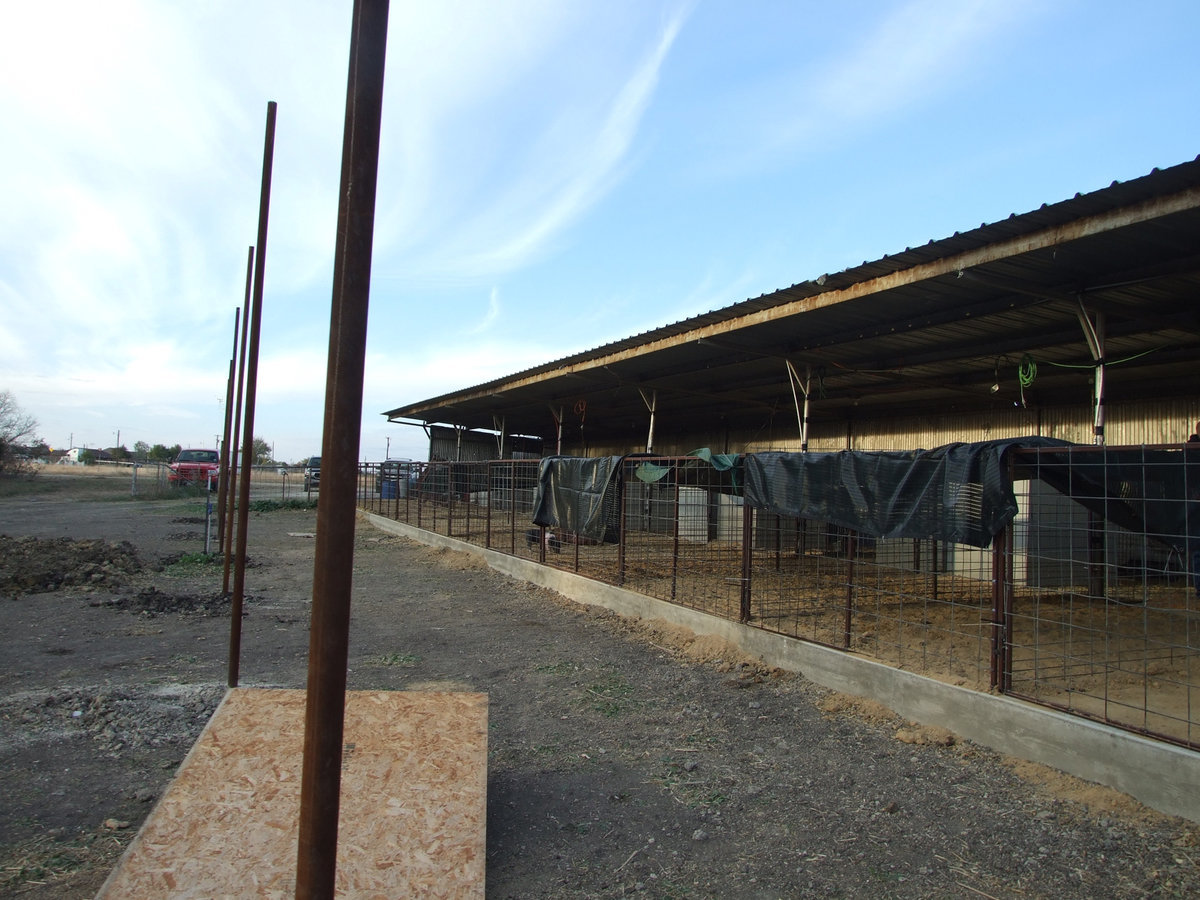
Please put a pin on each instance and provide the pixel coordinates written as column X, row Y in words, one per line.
column 532, row 536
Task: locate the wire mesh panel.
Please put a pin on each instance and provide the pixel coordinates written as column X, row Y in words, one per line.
column 1087, row 602
column 926, row 606
column 921, row 605
column 682, row 532
column 801, row 574
column 1104, row 619
column 396, row 487
column 508, row 518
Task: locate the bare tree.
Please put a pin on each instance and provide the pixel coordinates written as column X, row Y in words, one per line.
column 17, row 428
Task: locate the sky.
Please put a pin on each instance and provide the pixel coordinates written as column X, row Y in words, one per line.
column 553, row 176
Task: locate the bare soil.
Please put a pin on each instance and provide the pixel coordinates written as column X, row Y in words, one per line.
column 625, row 758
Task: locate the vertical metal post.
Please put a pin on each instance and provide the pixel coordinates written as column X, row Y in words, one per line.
column 487, row 531
column 1001, row 607
column 223, row 477
column 237, row 423
column 747, row 560
column 512, row 506
column 934, row 567
column 651, row 403
column 254, row 326
column 675, row 538
column 421, row 492
column 778, row 543
column 469, row 485
column 333, row 565
column 621, row 508
column 851, row 551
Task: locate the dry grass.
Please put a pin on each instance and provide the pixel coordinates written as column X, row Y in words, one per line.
column 47, row 865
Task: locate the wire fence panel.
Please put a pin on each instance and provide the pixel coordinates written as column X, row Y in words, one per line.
column 511, row 485
column 920, row 605
column 1087, row 602
column 682, row 534
column 1104, row 619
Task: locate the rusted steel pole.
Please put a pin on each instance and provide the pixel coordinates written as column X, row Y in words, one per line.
column 320, row 784
column 512, row 507
column 487, row 539
column 223, row 477
column 237, row 422
column 254, row 326
column 999, row 610
column 847, row 624
column 622, row 485
column 675, row 540
column 747, row 561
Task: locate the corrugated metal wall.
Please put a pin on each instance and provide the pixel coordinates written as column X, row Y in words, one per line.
column 1143, row 422
column 475, row 446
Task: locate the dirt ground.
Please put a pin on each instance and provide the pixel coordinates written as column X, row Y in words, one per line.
column 625, row 758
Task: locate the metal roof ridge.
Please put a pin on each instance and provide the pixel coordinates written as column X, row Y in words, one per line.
column 1174, row 179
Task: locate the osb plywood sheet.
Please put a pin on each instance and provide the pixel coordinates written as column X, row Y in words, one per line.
column 413, row 802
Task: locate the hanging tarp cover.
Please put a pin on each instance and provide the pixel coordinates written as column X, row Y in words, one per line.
column 650, row 472
column 570, row 494
column 959, row 492
column 1148, row 490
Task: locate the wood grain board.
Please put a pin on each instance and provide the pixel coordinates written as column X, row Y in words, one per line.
column 413, row 802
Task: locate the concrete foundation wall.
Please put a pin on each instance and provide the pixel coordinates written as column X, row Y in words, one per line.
column 1162, row 776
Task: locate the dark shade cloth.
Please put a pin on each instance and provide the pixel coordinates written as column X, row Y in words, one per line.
column 958, row 492
column 570, row 495
column 1148, row 490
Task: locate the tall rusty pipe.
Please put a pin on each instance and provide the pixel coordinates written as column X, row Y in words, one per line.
column 254, row 327
column 320, row 785
column 237, row 424
column 223, row 478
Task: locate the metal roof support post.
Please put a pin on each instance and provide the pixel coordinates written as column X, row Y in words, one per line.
column 652, row 405
column 498, row 424
column 324, row 720
column 558, row 423
column 801, row 417
column 1093, row 332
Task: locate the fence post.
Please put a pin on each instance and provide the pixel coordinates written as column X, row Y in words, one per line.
column 747, row 560
column 851, row 552
column 1001, row 607
column 487, row 529
column 622, row 481
column 675, row 539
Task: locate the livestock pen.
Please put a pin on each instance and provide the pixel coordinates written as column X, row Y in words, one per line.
column 1078, row 596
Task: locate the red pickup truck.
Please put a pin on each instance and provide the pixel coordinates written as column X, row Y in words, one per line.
column 195, row 467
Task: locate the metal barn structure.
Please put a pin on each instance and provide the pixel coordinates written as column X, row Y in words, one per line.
column 1078, row 322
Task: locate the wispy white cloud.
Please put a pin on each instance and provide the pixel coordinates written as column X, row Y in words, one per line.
column 499, row 193
column 851, row 80
column 492, row 314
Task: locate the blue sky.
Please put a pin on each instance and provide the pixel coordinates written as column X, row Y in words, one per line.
column 553, row 176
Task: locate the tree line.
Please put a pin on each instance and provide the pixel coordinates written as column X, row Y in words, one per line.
column 21, row 447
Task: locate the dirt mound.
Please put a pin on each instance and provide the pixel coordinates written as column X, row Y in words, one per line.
column 150, row 602
column 116, row 718
column 37, row 565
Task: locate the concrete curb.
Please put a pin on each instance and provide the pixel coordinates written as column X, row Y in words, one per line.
column 1160, row 775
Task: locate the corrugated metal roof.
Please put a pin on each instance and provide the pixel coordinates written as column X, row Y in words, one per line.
column 928, row 327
